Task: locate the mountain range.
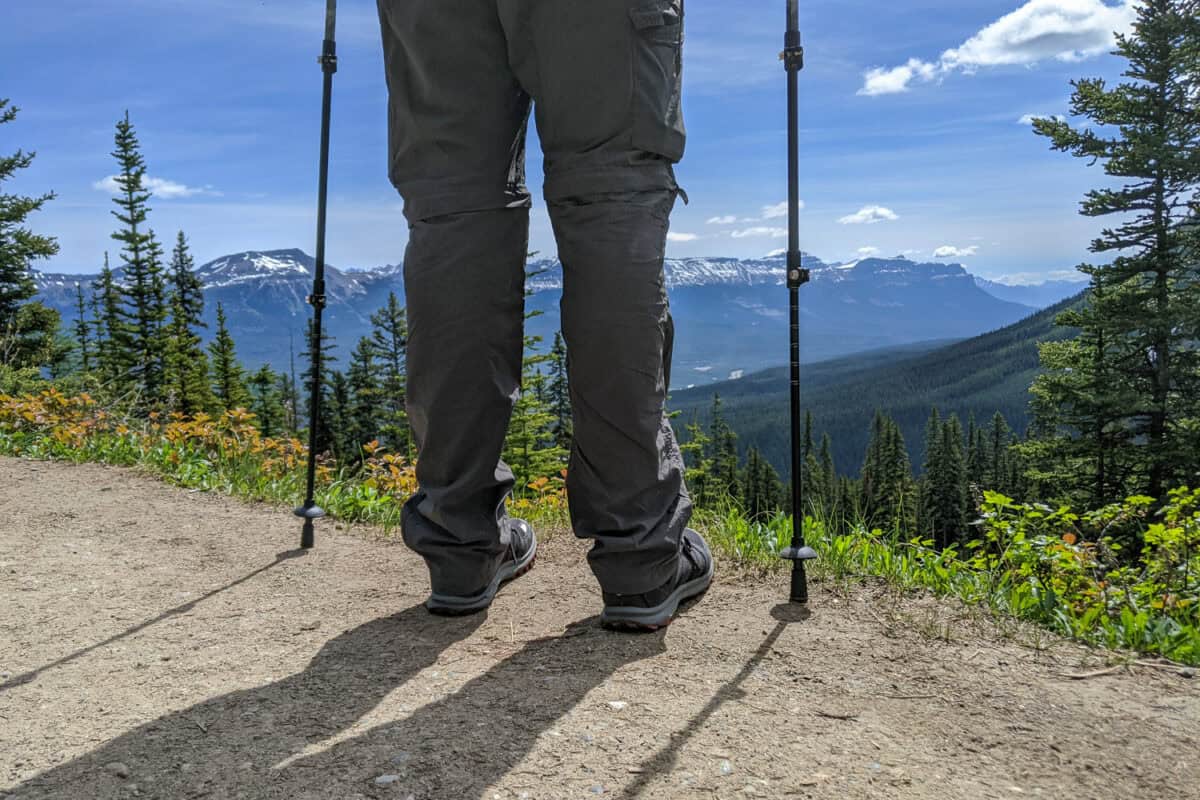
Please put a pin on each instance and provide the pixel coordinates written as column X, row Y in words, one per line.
column 730, row 314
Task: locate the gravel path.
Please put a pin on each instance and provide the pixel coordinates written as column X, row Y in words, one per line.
column 157, row 643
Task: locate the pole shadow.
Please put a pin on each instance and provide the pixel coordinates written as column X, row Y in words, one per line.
column 26, row 677
column 664, row 760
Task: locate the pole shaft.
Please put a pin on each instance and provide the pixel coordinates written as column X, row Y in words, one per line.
column 328, row 63
column 793, row 112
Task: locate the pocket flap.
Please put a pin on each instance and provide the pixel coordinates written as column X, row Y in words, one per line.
column 655, row 15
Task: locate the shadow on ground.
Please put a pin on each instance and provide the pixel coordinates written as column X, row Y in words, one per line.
column 275, row 740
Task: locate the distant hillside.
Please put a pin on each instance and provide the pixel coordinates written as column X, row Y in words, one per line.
column 983, row 375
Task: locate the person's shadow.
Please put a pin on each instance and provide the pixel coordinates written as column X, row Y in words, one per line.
column 251, row 743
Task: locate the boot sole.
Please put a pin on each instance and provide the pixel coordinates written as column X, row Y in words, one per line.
column 448, row 605
column 636, row 619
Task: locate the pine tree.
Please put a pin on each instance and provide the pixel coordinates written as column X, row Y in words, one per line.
column 336, row 410
column 265, row 402
column 530, row 448
column 723, row 453
column 143, row 308
column 762, row 490
column 83, row 339
column 27, row 328
column 944, row 494
column 325, row 430
column 390, row 340
column 999, row 438
column 1146, row 132
column 229, row 382
column 559, row 395
column 112, row 341
column 362, row 418
column 698, row 465
column 186, row 362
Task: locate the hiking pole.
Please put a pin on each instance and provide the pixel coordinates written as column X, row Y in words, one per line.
column 797, row 276
column 328, row 61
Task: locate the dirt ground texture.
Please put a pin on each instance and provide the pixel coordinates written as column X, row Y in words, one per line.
column 159, row 643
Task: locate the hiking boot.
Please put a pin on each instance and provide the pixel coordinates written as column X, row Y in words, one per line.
column 522, row 550
column 655, row 609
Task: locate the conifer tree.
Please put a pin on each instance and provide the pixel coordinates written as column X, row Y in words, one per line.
column 390, row 340
column 83, row 339
column 698, row 464
column 530, row 448
column 229, row 382
column 325, row 430
column 558, row 393
column 27, row 328
column 723, row 453
column 112, row 340
column 336, row 411
column 365, row 395
column 1145, row 131
column 143, row 307
column 265, row 402
column 945, row 490
column 762, row 490
column 187, row 364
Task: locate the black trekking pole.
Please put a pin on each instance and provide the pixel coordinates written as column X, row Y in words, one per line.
column 328, row 61
column 797, row 276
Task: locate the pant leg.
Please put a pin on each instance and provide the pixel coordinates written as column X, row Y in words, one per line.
column 457, row 121
column 605, row 77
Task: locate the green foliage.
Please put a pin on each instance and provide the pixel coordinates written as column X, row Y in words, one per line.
column 228, row 377
column 137, row 330
column 1117, row 406
column 27, row 328
column 390, row 340
column 531, row 447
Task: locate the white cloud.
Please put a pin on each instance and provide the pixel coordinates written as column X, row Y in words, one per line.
column 1065, row 30
column 778, row 210
column 867, row 252
column 729, row 220
column 881, row 80
column 774, row 233
column 1027, row 119
column 949, row 251
column 869, row 215
column 159, row 187
column 681, row 237
column 1035, row 278
column 776, row 253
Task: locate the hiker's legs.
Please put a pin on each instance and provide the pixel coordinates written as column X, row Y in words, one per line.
column 605, row 82
column 456, row 140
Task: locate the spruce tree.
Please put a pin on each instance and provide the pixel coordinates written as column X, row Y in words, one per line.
column 143, row 307
column 325, row 430
column 229, row 382
column 698, row 465
column 112, row 340
column 265, row 402
column 390, row 339
column 27, row 328
column 363, row 419
column 723, row 453
column 1145, row 132
column 559, row 395
column 530, row 448
column 187, row 364
column 83, row 339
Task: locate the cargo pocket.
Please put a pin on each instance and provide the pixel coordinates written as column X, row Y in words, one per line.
column 657, row 73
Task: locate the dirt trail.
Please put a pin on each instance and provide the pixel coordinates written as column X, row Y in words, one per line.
column 157, row 643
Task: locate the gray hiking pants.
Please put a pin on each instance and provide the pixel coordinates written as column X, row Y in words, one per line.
column 603, row 77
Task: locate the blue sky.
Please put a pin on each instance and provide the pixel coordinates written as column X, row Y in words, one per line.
column 911, row 133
